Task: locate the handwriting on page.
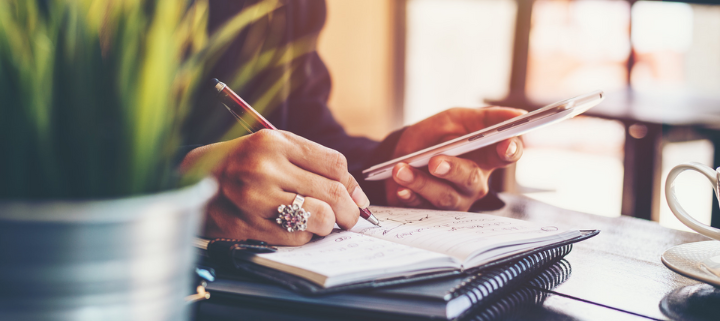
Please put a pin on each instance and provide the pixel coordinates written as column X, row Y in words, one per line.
column 346, row 252
column 456, row 234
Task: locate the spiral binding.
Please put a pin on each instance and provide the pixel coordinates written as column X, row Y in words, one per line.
column 511, row 305
column 552, row 276
column 487, row 282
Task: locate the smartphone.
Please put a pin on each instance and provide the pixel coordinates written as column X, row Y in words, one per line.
column 544, row 116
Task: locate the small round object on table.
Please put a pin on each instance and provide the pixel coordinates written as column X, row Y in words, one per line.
column 699, row 302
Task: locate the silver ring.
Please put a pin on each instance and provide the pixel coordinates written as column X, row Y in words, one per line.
column 293, row 217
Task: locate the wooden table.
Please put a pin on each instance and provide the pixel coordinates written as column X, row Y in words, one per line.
column 617, row 275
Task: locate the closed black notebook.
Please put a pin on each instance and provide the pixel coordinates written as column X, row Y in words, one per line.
column 445, row 298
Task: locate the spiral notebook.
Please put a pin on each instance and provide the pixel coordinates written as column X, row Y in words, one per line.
column 411, row 245
column 447, row 298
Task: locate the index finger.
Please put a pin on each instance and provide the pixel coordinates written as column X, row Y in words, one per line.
column 326, row 162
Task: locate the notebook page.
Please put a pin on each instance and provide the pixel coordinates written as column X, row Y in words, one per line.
column 458, row 234
column 344, row 253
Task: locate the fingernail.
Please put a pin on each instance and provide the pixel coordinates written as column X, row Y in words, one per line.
column 443, row 168
column 405, row 175
column 511, row 150
column 360, row 198
column 403, row 193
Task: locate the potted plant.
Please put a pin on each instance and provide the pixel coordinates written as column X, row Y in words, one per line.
column 95, row 222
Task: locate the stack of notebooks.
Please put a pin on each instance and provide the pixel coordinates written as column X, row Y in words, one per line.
column 420, row 263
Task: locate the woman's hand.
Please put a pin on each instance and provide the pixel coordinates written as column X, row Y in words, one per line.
column 266, row 169
column 450, row 183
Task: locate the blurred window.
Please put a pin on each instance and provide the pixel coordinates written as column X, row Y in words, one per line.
column 661, row 36
column 458, row 54
column 677, row 48
column 582, row 45
column 576, row 47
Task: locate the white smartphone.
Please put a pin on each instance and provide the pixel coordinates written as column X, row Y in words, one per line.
column 544, row 116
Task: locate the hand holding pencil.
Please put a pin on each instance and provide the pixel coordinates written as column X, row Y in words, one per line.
column 269, row 168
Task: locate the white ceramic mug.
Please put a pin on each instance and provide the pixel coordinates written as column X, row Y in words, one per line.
column 680, row 213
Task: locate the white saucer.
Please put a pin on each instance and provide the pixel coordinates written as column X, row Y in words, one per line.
column 685, row 259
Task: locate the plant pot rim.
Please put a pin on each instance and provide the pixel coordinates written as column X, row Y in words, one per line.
column 114, row 210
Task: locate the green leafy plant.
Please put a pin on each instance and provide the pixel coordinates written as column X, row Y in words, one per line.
column 93, row 92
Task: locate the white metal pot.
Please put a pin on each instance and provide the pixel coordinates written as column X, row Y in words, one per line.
column 121, row 259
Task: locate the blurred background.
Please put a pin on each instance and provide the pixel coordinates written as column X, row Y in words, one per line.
column 395, row 62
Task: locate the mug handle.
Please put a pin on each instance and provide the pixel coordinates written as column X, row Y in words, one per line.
column 674, row 204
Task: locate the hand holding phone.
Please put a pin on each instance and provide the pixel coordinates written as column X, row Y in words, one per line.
column 544, row 116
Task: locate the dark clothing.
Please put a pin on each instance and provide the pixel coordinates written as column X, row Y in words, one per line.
column 291, row 93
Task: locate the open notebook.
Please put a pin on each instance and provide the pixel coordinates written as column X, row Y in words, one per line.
column 411, row 242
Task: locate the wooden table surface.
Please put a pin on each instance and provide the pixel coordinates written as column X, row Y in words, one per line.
column 616, row 275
